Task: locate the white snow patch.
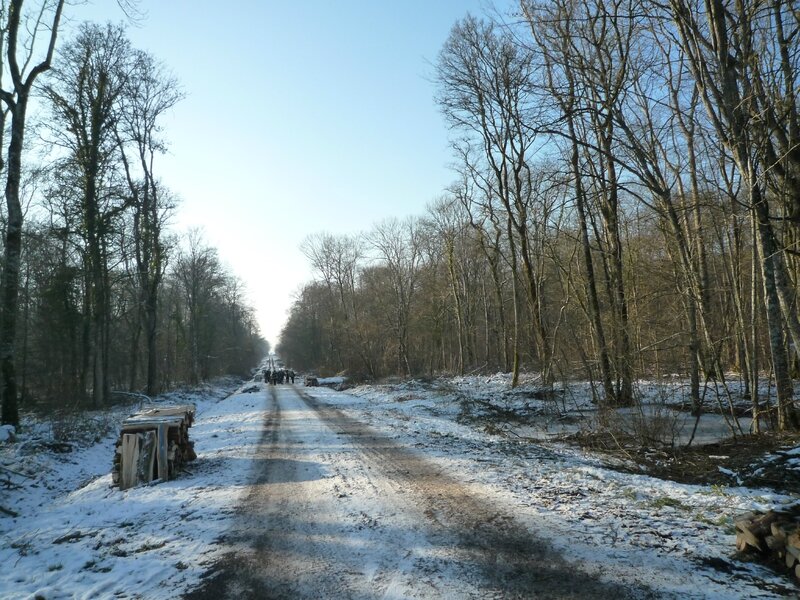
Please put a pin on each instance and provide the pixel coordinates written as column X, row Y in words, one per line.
column 75, row 536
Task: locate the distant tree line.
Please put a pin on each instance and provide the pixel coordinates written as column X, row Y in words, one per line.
column 626, row 204
column 98, row 295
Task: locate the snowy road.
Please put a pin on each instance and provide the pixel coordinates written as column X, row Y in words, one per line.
column 390, row 490
column 339, row 510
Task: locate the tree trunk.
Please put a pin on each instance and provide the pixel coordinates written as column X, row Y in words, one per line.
column 151, row 337
column 17, row 107
column 451, row 269
column 787, row 411
column 11, row 266
column 591, row 281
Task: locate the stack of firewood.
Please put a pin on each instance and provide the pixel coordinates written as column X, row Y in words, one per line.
column 153, row 444
column 775, row 534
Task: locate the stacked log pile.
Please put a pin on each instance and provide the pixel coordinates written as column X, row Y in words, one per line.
column 772, row 534
column 153, row 444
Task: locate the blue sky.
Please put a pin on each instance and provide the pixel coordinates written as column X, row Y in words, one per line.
column 300, row 117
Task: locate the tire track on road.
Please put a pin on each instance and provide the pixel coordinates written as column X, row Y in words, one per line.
column 338, row 510
column 513, row 562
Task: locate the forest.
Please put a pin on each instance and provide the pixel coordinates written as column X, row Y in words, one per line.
column 100, row 297
column 625, row 205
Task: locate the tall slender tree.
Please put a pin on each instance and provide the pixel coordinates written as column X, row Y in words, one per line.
column 85, row 93
column 485, row 81
column 150, row 93
column 46, row 20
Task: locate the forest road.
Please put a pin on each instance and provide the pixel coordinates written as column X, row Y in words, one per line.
column 337, row 510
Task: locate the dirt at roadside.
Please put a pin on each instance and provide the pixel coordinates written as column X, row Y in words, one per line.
column 756, row 461
column 768, row 460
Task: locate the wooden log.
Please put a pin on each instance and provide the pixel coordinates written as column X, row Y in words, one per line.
column 180, row 409
column 775, row 543
column 163, row 466
column 189, row 451
column 782, row 529
column 168, row 428
column 130, row 456
column 744, row 534
column 764, row 523
column 745, row 518
column 185, row 411
column 741, row 544
column 793, row 538
column 140, row 423
column 147, row 456
column 750, row 539
column 793, row 550
column 755, row 530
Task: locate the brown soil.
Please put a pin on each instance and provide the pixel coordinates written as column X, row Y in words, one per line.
column 754, row 460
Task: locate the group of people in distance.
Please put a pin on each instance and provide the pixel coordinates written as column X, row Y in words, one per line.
column 275, row 376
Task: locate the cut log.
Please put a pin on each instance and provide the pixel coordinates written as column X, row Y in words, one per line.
column 189, row 452
column 187, row 410
column 744, row 530
column 793, row 539
column 782, row 529
column 130, row 457
column 147, row 456
column 775, row 543
column 775, row 534
column 749, row 538
column 741, row 544
column 164, row 444
column 142, row 423
column 793, row 551
column 745, row 518
column 163, row 465
column 764, row 523
column 756, row 529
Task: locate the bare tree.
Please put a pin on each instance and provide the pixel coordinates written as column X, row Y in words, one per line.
column 447, row 226
column 398, row 247
column 483, row 221
column 337, row 259
column 720, row 43
column 485, row 81
column 45, row 20
column 200, row 279
column 585, row 51
column 85, row 92
column 150, row 93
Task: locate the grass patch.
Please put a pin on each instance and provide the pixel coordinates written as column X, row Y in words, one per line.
column 667, row 502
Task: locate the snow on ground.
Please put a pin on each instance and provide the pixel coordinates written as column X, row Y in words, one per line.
column 677, row 538
column 76, row 536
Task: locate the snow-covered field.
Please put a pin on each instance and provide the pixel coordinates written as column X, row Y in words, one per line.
column 78, row 537
column 75, row 536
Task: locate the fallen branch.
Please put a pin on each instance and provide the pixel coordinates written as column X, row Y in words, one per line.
column 4, row 468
